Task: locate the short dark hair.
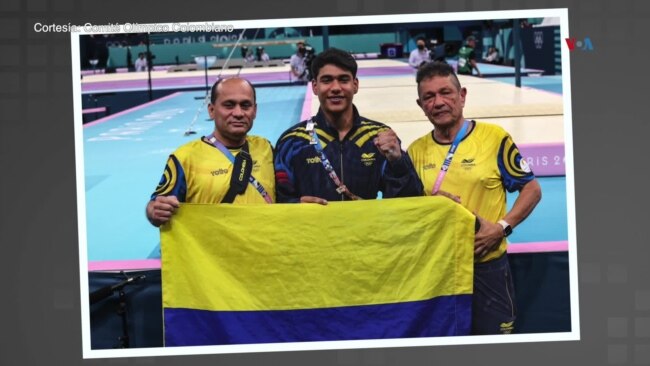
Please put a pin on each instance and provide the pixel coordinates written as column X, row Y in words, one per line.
column 214, row 94
column 436, row 68
column 336, row 57
column 421, row 39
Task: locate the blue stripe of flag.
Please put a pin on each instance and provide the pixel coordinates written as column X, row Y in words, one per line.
column 440, row 316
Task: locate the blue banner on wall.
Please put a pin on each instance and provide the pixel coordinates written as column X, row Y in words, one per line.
column 539, row 45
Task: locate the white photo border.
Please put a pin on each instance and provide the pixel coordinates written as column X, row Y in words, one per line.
column 573, row 335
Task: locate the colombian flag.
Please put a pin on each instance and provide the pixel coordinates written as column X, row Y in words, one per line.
column 391, row 268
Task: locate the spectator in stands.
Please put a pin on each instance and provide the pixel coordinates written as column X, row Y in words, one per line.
column 492, row 55
column 467, row 58
column 262, row 55
column 249, row 56
column 298, row 63
column 420, row 55
column 141, row 63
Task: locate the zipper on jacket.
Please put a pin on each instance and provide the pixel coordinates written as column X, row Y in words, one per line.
column 341, row 160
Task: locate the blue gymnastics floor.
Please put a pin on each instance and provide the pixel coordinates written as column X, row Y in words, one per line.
column 492, row 69
column 551, row 83
column 124, row 158
column 506, row 74
column 548, row 222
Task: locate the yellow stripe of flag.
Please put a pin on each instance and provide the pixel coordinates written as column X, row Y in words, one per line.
column 305, row 256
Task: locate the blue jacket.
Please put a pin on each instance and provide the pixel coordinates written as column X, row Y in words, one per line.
column 356, row 161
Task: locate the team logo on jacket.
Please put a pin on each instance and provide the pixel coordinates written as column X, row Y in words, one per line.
column 467, row 163
column 507, row 328
column 429, row 166
column 368, row 158
column 314, row 160
column 523, row 164
column 219, row 171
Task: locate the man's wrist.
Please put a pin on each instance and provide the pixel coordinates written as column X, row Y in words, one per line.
column 399, row 166
column 507, row 229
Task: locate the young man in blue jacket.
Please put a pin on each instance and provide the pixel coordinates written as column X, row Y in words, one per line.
column 337, row 154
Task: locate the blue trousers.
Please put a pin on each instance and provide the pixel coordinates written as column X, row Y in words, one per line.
column 493, row 302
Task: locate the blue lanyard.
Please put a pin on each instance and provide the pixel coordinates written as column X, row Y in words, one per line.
column 340, row 187
column 258, row 186
column 450, row 155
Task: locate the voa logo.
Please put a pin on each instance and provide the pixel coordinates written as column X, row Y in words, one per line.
column 585, row 45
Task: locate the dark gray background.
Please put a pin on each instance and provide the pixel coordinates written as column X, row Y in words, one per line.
column 39, row 301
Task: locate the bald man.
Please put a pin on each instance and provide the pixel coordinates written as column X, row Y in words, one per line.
column 201, row 171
